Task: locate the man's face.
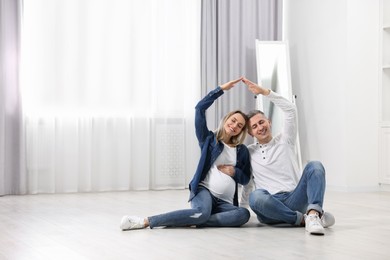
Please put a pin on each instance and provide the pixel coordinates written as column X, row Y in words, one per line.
column 260, row 128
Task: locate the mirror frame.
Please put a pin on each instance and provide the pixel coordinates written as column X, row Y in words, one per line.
column 273, row 72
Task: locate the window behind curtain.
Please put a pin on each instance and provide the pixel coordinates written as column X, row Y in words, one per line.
column 108, row 90
column 110, row 56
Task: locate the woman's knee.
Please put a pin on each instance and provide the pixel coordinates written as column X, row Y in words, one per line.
column 201, row 214
column 241, row 216
column 245, row 215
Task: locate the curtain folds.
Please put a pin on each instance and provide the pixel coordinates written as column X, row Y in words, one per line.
column 12, row 165
column 229, row 31
column 109, row 89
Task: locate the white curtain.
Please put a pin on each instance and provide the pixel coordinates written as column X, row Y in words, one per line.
column 109, row 89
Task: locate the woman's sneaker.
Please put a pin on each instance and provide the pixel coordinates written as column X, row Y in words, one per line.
column 313, row 224
column 327, row 220
column 132, row 222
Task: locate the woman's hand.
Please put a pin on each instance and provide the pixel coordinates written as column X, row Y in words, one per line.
column 255, row 89
column 227, row 169
column 230, row 84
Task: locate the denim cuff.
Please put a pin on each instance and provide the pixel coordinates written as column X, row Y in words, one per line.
column 150, row 219
column 299, row 218
column 315, row 207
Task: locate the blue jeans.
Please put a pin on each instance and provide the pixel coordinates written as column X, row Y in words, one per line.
column 206, row 211
column 289, row 207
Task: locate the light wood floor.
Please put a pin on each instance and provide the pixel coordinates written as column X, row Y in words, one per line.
column 86, row 226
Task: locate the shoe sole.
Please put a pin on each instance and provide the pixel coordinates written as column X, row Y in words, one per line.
column 317, row 233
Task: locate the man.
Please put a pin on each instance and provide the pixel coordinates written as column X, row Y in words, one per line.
column 281, row 195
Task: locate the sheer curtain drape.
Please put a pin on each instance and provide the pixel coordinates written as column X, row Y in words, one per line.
column 229, row 31
column 109, row 89
column 12, row 171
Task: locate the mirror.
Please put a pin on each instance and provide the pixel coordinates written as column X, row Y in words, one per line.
column 273, row 72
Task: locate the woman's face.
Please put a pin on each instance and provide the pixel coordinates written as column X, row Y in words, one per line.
column 234, row 124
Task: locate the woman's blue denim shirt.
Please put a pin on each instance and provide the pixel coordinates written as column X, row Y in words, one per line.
column 211, row 148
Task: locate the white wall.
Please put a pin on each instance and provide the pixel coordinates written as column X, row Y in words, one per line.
column 334, row 65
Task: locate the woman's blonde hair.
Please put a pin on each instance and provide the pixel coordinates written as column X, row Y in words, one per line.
column 235, row 140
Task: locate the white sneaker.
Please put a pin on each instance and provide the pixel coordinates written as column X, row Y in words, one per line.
column 313, row 224
column 132, row 222
column 327, row 220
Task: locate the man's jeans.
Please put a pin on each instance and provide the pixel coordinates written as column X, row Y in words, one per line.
column 289, row 207
column 206, row 211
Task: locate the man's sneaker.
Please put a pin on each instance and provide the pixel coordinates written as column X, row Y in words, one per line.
column 327, row 220
column 313, row 224
column 132, row 222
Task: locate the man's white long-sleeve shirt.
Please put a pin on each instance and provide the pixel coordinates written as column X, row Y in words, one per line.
column 274, row 165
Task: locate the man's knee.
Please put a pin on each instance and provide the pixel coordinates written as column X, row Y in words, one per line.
column 315, row 167
column 257, row 197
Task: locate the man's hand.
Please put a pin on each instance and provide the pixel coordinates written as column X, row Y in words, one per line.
column 255, row 89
